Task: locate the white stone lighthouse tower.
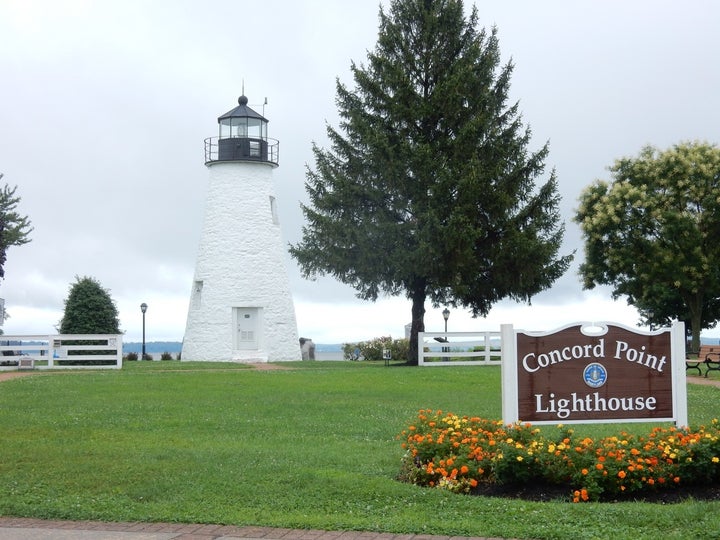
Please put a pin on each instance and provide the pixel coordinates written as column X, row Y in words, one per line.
column 241, row 309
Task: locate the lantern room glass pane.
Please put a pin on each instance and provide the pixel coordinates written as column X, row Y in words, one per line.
column 239, row 128
column 225, row 128
column 254, row 128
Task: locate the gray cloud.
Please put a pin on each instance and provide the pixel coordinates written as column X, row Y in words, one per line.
column 106, row 105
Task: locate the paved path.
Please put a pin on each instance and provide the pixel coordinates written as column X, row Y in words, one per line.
column 38, row 529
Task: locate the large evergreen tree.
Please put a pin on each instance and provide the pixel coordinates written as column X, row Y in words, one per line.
column 89, row 309
column 14, row 229
column 429, row 187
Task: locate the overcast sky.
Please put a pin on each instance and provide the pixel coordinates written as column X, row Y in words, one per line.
column 105, row 106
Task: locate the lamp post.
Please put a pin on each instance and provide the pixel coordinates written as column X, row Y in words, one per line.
column 143, row 308
column 446, row 316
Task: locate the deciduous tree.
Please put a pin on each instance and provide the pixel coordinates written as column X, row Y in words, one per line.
column 428, row 189
column 652, row 233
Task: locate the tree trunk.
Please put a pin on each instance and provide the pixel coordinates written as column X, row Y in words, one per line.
column 695, row 306
column 417, row 295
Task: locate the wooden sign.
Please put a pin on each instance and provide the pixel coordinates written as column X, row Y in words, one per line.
column 594, row 373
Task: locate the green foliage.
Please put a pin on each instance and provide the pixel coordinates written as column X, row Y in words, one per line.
column 373, row 349
column 89, row 309
column 351, row 351
column 428, row 189
column 652, row 234
column 458, row 454
column 14, row 229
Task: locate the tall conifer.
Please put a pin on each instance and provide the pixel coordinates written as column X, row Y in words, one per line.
column 428, row 189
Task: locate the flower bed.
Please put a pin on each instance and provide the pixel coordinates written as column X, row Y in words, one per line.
column 466, row 455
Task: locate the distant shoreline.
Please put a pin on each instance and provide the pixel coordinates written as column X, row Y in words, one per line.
column 330, row 351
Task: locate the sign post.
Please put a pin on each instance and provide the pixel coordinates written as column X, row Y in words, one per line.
column 594, row 373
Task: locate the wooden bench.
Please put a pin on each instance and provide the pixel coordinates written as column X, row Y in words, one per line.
column 708, row 355
column 711, row 356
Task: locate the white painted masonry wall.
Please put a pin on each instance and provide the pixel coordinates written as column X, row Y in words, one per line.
column 240, row 272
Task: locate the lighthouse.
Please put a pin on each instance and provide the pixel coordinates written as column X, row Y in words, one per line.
column 241, row 309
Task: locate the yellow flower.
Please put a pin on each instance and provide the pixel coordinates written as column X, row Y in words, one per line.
column 715, row 459
column 519, row 458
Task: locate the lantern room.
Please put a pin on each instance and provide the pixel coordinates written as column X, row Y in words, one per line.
column 242, row 137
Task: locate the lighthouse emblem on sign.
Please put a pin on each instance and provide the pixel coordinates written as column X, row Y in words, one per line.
column 595, row 375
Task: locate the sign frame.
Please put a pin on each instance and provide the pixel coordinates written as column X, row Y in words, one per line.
column 515, row 391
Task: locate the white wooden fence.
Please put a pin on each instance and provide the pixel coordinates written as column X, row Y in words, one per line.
column 68, row 351
column 459, row 348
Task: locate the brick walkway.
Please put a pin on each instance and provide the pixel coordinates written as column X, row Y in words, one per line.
column 50, row 529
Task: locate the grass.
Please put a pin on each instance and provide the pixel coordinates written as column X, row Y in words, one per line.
column 311, row 447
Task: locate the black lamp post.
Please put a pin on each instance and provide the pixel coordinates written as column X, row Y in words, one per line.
column 143, row 308
column 446, row 316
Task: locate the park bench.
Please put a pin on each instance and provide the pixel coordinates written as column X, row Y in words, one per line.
column 708, row 355
column 712, row 358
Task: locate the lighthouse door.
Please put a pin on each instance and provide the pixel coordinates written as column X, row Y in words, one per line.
column 247, row 328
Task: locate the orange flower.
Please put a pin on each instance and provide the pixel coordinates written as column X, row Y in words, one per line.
column 584, row 471
column 464, row 469
column 621, row 474
column 599, row 466
column 473, row 482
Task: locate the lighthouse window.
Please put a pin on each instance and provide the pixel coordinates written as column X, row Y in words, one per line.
column 254, row 148
column 273, row 210
column 197, row 293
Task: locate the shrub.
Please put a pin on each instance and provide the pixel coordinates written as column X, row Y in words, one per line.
column 89, row 309
column 400, row 349
column 131, row 357
column 351, row 351
column 460, row 453
column 373, row 349
column 166, row 356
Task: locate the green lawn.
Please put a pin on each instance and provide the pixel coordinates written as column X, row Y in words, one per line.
column 311, row 447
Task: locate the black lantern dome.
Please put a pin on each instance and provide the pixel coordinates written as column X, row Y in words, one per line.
column 242, row 137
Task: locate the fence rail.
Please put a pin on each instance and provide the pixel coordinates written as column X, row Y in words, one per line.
column 459, row 348
column 61, row 351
